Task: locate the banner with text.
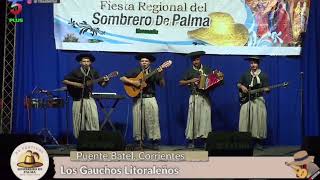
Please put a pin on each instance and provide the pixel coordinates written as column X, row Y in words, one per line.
column 245, row 27
column 125, row 165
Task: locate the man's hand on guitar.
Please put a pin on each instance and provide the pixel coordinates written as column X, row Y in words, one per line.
column 194, row 80
column 106, row 78
column 244, row 89
column 78, row 85
column 160, row 69
column 267, row 90
column 136, row 83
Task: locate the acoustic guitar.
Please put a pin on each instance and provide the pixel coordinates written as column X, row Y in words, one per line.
column 300, row 172
column 244, row 97
column 73, row 90
column 134, row 91
column 109, row 76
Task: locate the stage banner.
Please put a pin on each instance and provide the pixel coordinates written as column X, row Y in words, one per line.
column 214, row 167
column 244, row 27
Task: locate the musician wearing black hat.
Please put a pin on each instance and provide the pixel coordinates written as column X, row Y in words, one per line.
column 253, row 112
column 84, row 109
column 149, row 107
column 199, row 113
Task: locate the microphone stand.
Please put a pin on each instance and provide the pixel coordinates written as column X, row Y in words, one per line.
column 45, row 132
column 142, row 114
column 29, row 108
column 193, row 93
column 81, row 103
column 249, row 111
column 142, row 117
column 67, row 116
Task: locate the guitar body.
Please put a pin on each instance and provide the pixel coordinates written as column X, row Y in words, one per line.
column 244, row 98
column 132, row 90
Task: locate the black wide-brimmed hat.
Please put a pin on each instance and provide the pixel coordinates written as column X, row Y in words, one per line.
column 145, row 55
column 195, row 54
column 85, row 55
column 256, row 59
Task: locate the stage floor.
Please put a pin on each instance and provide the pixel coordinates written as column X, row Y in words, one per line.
column 64, row 150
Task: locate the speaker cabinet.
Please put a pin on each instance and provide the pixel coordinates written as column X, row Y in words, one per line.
column 229, row 144
column 100, row 141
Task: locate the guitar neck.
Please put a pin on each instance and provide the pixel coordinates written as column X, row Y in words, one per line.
column 111, row 75
column 96, row 80
column 150, row 74
column 262, row 89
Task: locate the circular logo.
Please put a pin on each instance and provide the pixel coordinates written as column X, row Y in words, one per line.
column 29, row 161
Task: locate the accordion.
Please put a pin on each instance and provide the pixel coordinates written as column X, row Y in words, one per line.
column 210, row 81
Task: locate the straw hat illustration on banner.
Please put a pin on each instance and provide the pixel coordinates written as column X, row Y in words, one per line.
column 301, row 158
column 223, row 31
column 303, row 164
column 29, row 160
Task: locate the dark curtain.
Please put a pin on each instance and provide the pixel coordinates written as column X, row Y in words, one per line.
column 39, row 64
column 310, row 67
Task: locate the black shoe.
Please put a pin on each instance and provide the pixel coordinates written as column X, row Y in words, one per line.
column 155, row 147
column 190, row 145
column 259, row 144
column 155, row 144
column 137, row 143
column 259, row 147
column 200, row 143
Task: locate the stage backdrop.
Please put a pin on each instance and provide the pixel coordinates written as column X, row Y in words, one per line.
column 39, row 64
column 245, row 26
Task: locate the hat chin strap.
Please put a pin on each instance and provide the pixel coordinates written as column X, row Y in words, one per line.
column 200, row 69
column 84, row 71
